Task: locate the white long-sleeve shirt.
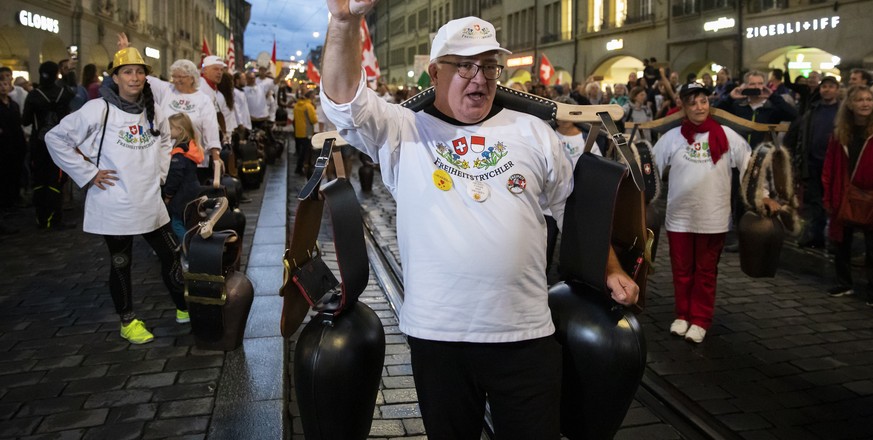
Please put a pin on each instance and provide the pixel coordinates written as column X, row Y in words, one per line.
column 140, row 160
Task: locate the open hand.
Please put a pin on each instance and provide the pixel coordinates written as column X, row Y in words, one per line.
column 123, row 42
column 104, row 178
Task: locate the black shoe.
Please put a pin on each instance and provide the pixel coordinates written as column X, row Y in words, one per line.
column 732, row 248
column 245, row 199
column 5, row 230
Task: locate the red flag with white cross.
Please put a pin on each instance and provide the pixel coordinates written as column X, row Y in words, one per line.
column 546, row 70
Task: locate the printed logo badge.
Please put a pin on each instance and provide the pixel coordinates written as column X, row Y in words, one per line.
column 442, row 180
column 478, row 191
column 477, row 144
column 516, row 184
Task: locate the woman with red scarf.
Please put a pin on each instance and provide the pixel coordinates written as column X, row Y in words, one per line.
column 849, row 156
column 699, row 154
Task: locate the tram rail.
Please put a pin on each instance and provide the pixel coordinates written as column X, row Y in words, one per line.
column 664, row 400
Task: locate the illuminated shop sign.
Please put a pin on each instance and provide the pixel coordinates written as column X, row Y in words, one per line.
column 717, row 25
column 793, row 27
column 153, row 53
column 520, row 61
column 36, row 21
column 615, row 44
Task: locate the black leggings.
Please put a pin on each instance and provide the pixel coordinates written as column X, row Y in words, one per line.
column 120, row 247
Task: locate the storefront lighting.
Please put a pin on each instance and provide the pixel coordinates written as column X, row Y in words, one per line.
column 36, row 21
column 153, row 53
column 717, row 25
column 410, row 74
column 615, row 44
column 792, row 27
column 520, row 61
column 799, row 65
column 716, row 67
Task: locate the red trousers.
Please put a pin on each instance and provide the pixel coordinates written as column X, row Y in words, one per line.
column 694, row 258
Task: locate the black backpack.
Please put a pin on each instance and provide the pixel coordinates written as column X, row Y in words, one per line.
column 52, row 118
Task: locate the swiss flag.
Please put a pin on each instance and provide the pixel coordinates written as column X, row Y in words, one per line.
column 368, row 61
column 546, row 70
column 312, row 72
column 204, row 51
column 231, row 58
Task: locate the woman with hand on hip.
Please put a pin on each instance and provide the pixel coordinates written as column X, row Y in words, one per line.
column 126, row 144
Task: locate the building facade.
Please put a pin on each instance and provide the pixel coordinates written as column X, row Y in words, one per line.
column 35, row 31
column 610, row 38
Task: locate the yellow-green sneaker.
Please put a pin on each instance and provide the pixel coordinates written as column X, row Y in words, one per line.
column 136, row 332
column 182, row 316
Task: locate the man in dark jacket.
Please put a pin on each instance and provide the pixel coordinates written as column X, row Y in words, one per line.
column 44, row 107
column 808, row 140
column 12, row 147
column 757, row 103
column 753, row 101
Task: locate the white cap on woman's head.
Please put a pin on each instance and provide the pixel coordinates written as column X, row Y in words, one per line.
column 465, row 36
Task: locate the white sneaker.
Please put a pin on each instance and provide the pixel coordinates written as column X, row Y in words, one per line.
column 695, row 334
column 679, row 327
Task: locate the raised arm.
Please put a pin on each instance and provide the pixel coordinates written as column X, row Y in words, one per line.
column 342, row 49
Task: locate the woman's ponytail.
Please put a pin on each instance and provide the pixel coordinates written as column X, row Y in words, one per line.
column 149, row 103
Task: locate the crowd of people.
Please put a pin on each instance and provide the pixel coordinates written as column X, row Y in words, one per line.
column 139, row 147
column 815, row 105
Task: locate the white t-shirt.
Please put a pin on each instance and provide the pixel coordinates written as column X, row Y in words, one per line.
column 257, row 98
column 699, row 199
column 141, row 162
column 220, row 107
column 574, row 146
column 241, row 109
column 198, row 106
column 473, row 271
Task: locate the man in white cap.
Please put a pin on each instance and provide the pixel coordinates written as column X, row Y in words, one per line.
column 471, row 181
column 210, row 75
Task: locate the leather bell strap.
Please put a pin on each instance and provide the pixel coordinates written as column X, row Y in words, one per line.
column 205, row 289
column 620, row 142
column 344, row 212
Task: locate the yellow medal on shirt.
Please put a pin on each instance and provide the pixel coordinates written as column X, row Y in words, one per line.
column 442, row 180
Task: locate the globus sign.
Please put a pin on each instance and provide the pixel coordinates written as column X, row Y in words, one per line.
column 29, row 19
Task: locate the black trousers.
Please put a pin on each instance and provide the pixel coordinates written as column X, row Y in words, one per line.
column 813, row 211
column 843, row 258
column 303, row 147
column 520, row 380
column 48, row 180
column 163, row 242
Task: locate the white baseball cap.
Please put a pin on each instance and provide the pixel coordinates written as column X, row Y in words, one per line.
column 465, row 36
column 213, row 60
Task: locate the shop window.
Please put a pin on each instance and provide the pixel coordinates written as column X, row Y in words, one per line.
column 410, row 55
column 685, row 7
column 422, row 18
column 707, row 5
column 410, row 23
column 397, row 56
column 765, row 5
column 397, row 27
column 595, row 15
column 639, row 11
column 551, row 23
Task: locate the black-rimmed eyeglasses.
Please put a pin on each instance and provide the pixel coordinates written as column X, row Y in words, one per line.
column 469, row 70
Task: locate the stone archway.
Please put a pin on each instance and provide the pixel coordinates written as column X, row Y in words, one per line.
column 616, row 69
column 801, row 61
